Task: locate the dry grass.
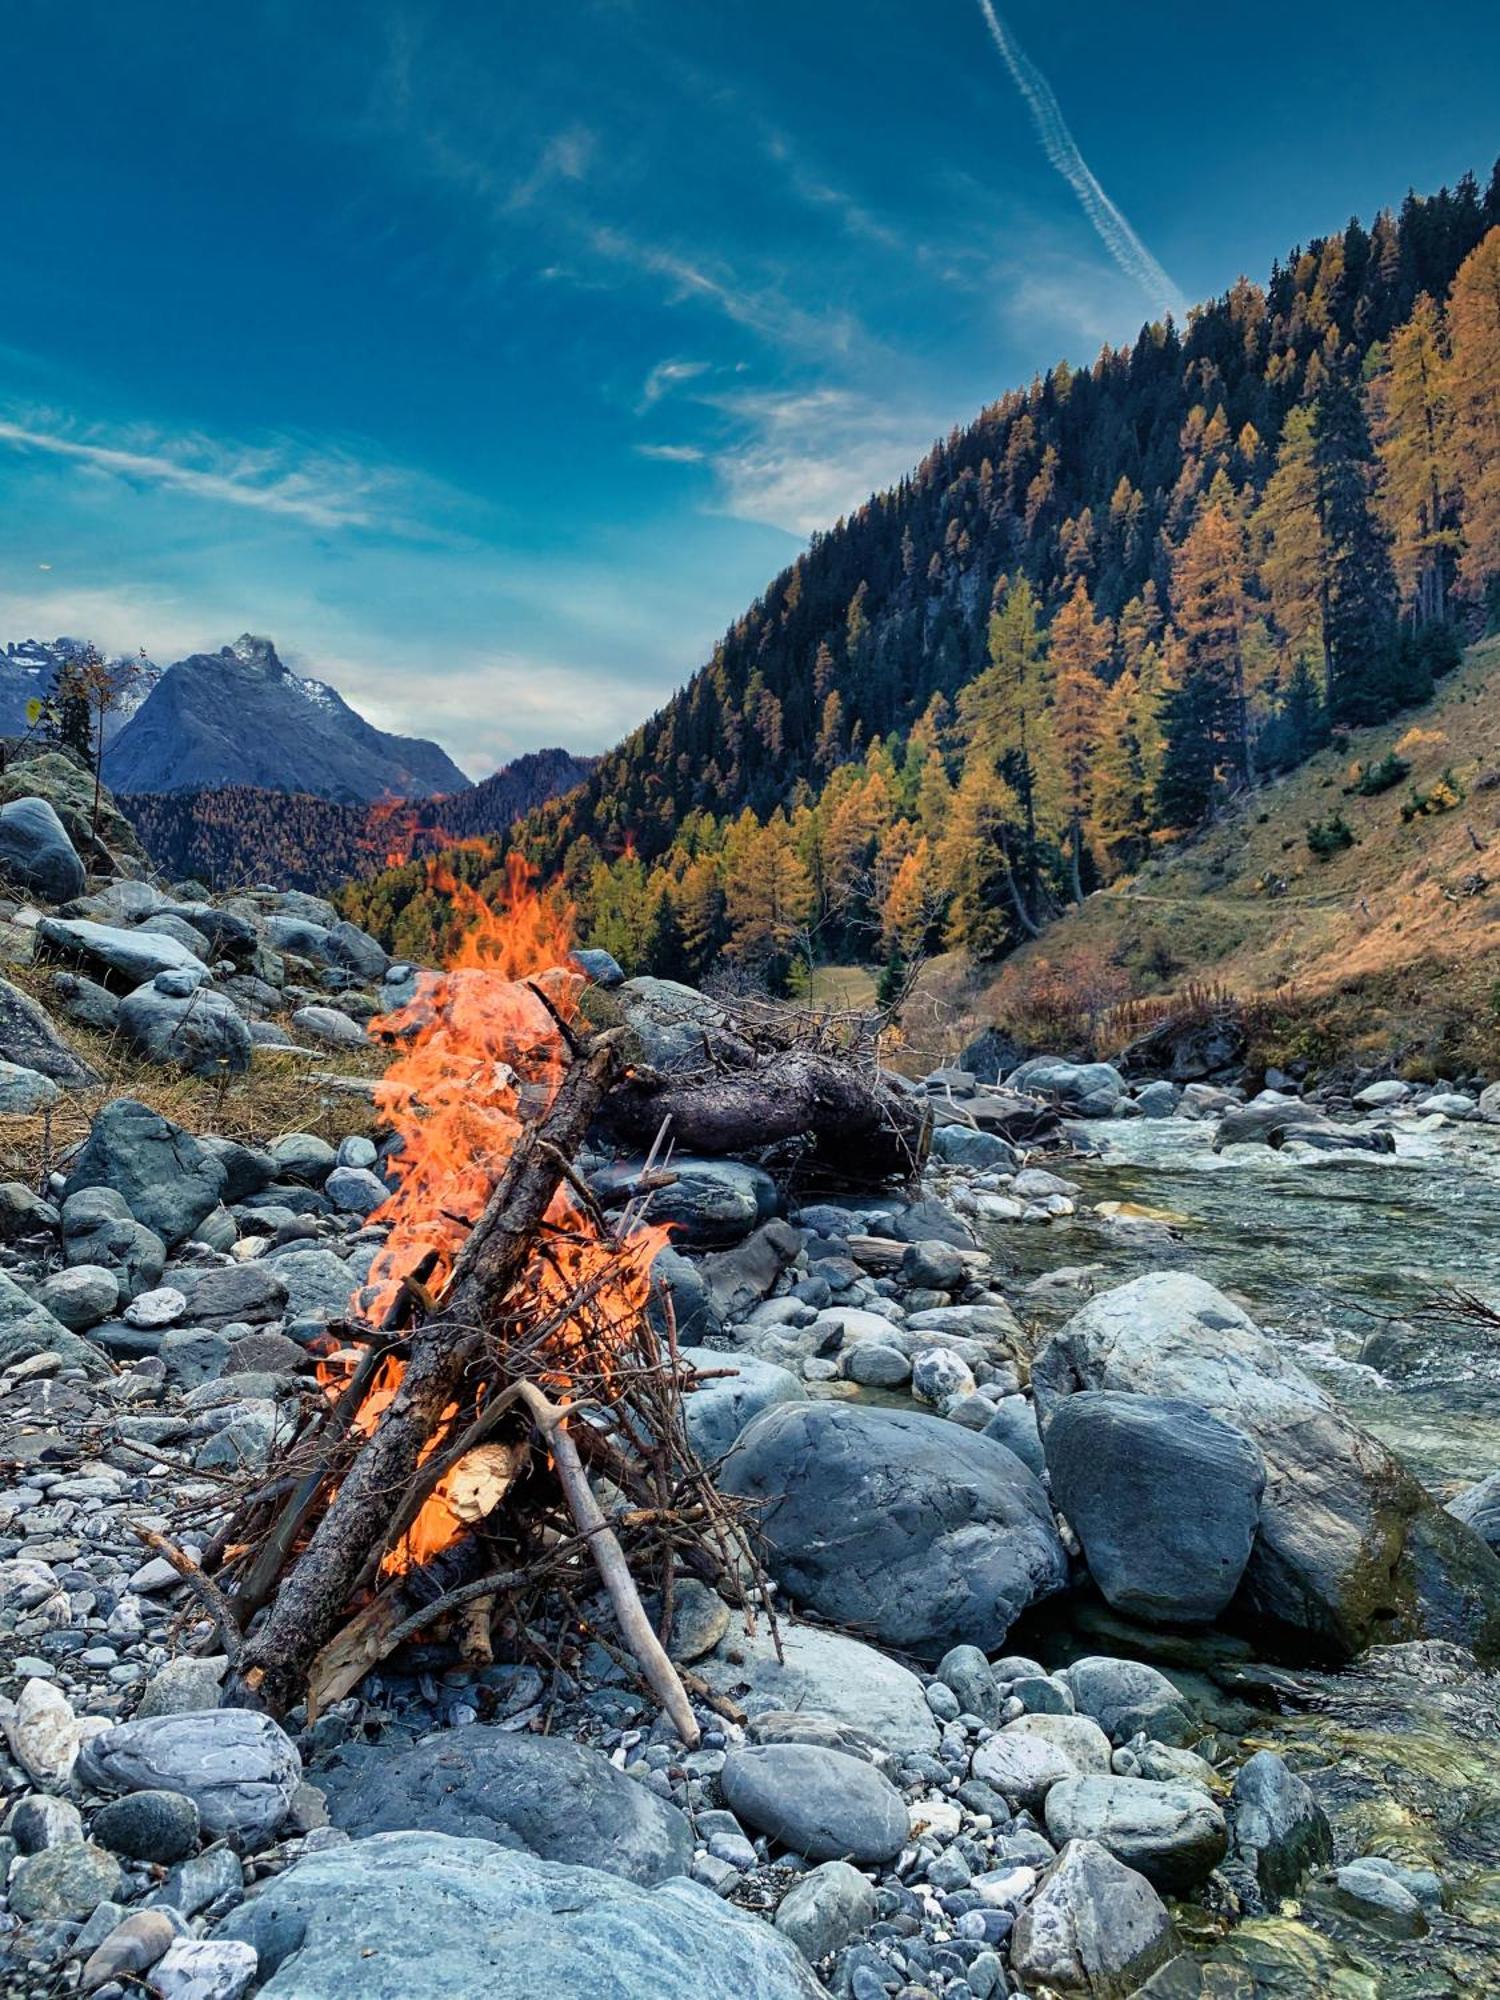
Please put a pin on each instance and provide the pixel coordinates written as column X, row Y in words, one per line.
column 280, row 1093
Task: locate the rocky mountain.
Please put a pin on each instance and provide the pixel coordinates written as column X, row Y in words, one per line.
column 495, row 803
column 28, row 672
column 242, row 717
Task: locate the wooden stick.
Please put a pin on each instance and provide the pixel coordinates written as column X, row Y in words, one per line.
column 207, row 1592
column 609, row 1559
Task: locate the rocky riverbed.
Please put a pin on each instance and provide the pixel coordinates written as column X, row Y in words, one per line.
column 1130, row 1637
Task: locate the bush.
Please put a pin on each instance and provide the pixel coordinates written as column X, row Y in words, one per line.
column 1442, row 797
column 1330, row 836
column 1370, row 780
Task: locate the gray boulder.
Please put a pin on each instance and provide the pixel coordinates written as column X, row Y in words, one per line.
column 1084, row 1090
column 963, row 1146
column 98, row 1229
column 356, row 1191
column 1164, row 1498
column 1479, row 1508
column 23, row 1092
column 82, row 1295
column 714, row 1201
column 202, row 1033
column 818, row 1802
column 357, row 952
column 318, row 1284
column 678, row 1284
column 128, row 957
column 28, row 1037
column 1350, row 1550
column 1174, row 1835
column 558, row 1800
column 1094, row 1927
column 827, row 1674
column 330, row 1026
column 670, row 1021
column 239, row 1768
column 741, row 1277
column 716, row 1414
column 36, row 853
column 1014, row 1425
column 1277, row 1828
column 1127, row 1697
column 465, row 1917
column 825, row 1908
column 28, row 1328
column 220, row 1294
column 903, row 1526
column 169, row 1181
column 1265, row 1119
column 600, row 966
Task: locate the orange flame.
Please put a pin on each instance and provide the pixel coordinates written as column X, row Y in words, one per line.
column 479, row 1056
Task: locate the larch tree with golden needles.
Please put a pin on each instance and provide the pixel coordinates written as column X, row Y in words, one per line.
column 1078, row 647
column 1207, row 723
column 1474, row 379
column 1412, row 419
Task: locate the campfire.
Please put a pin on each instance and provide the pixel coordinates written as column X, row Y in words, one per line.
column 501, row 1351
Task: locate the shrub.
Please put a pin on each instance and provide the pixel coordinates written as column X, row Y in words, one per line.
column 1439, row 798
column 1370, row 780
column 1330, row 836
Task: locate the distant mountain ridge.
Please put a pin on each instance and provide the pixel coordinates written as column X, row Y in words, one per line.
column 241, row 717
column 233, row 835
column 29, row 670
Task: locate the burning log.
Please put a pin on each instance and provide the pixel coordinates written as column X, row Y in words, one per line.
column 505, row 1312
column 853, row 1120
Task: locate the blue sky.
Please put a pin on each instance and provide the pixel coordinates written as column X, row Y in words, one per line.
column 493, row 357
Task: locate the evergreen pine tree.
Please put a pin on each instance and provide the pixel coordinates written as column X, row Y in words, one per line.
column 1364, row 676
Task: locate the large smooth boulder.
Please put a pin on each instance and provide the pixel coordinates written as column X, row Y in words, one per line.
column 98, row 1229
column 713, row 1202
column 672, row 1022
column 1478, row 1507
column 558, row 1800
column 1188, row 1048
column 403, row 1913
column 1128, row 1697
column 221, row 1294
column 918, row 1532
column 36, row 853
column 1350, row 1550
column 29, row 1038
column 819, row 1802
column 1174, row 1835
column 68, row 787
column 1266, row 1119
column 318, row 1284
column 240, row 1769
column 28, row 1328
column 823, row 1673
column 168, row 1180
column 1025, row 1759
column 1164, row 1498
column 24, row 1092
column 715, row 1414
column 125, row 958
column 1085, row 1090
column 202, row 1033
column 1094, row 1927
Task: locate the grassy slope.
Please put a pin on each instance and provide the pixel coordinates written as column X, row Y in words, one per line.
column 1390, row 948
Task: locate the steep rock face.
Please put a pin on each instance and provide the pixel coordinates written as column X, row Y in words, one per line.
column 240, row 717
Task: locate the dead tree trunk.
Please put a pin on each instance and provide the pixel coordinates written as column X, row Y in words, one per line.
column 856, row 1122
column 313, row 1598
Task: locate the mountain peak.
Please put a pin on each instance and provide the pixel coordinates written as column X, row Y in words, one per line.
column 253, row 651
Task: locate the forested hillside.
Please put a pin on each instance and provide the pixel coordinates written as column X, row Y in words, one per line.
column 1117, row 599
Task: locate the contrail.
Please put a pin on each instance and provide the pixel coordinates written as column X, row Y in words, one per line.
column 1061, row 148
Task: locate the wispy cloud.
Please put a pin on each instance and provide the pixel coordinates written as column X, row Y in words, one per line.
column 1061, row 148
column 804, row 457
column 818, row 192
column 667, row 376
column 672, row 454
column 319, row 488
column 759, row 305
column 565, row 157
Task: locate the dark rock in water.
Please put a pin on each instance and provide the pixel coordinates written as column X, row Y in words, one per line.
column 1479, row 1508
column 817, row 1802
column 28, row 1037
column 419, row 1912
column 1267, row 1119
column 991, row 1056
column 98, row 1228
column 1187, row 1051
column 202, row 1033
column 36, row 853
column 740, row 1278
column 240, row 1769
column 1094, row 1927
column 921, row 1533
column 715, row 1415
column 932, row 1222
column 1174, row 1835
column 170, row 1181
column 1331, row 1138
column 963, row 1145
column 1159, row 1099
column 1164, row 1498
column 558, row 1800
column 1277, row 1828
column 1350, row 1551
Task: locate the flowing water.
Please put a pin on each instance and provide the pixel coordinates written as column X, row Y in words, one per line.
column 1345, row 1258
